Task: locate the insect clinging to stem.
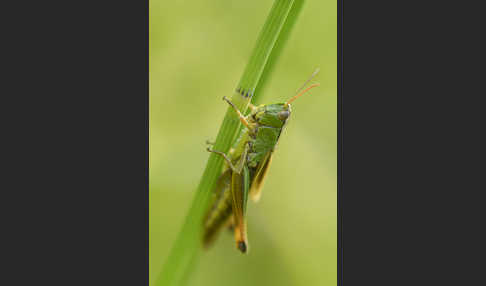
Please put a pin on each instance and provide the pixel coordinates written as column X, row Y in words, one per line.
column 247, row 166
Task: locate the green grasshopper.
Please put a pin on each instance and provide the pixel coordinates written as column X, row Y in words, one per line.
column 248, row 164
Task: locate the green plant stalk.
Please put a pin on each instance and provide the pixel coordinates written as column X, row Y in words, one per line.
column 278, row 48
column 187, row 246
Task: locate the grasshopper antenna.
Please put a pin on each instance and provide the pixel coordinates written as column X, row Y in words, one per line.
column 300, row 91
column 298, row 95
column 307, row 81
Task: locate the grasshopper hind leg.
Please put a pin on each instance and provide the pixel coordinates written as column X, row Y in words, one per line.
column 220, row 213
column 239, row 183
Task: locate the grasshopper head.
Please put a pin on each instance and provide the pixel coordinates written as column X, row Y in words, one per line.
column 273, row 115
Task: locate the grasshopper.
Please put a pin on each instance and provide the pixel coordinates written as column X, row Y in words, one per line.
column 247, row 165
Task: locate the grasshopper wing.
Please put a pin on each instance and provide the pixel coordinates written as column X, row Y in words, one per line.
column 260, row 174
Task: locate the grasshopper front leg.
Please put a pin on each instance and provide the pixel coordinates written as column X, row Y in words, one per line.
column 238, row 112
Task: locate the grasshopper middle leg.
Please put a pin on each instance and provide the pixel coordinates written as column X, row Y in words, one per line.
column 225, row 158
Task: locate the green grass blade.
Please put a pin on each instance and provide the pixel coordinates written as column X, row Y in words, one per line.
column 278, row 48
column 187, row 246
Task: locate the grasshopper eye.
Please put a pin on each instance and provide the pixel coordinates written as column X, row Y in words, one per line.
column 283, row 115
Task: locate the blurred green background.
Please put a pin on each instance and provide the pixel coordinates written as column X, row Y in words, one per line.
column 198, row 50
